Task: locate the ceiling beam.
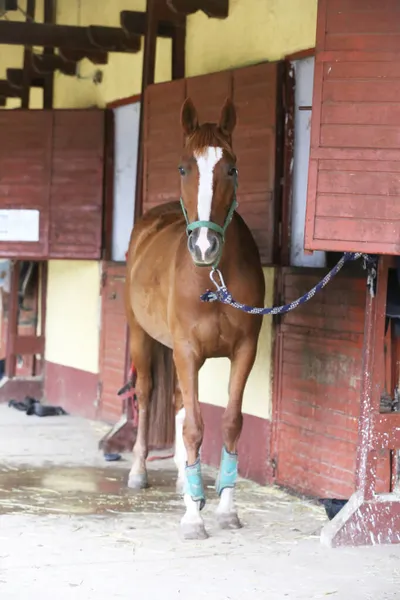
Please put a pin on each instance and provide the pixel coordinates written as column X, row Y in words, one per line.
column 45, row 64
column 15, row 79
column 112, row 39
column 26, row 69
column 97, row 57
column 7, row 91
column 135, row 22
column 218, row 9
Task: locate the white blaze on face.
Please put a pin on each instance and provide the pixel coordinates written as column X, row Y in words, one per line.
column 206, row 163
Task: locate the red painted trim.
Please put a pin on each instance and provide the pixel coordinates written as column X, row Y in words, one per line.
column 124, row 101
column 75, row 390
column 301, row 54
column 254, row 444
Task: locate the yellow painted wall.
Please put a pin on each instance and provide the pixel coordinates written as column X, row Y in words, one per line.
column 214, row 376
column 256, row 30
column 73, row 314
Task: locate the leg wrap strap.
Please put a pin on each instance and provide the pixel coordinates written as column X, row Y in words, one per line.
column 228, row 471
column 194, row 483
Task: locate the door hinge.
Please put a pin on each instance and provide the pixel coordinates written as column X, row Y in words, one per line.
column 103, row 279
column 274, row 465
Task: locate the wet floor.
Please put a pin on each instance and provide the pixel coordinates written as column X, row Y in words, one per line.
column 83, row 490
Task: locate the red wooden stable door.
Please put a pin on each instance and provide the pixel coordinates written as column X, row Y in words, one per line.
column 317, row 387
column 354, row 185
column 113, row 341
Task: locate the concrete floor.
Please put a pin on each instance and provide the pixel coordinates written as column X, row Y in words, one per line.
column 69, row 529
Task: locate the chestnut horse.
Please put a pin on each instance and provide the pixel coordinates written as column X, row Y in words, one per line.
column 172, row 249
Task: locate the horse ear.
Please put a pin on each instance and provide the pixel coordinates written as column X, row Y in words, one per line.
column 189, row 118
column 227, row 120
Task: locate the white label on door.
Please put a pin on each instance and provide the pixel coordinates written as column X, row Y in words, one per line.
column 19, row 225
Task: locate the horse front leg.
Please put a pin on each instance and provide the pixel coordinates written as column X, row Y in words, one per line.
column 241, row 365
column 187, row 368
column 180, row 457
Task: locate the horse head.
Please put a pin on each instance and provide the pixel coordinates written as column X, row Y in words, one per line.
column 208, row 182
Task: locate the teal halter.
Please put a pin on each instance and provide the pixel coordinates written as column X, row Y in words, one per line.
column 210, row 224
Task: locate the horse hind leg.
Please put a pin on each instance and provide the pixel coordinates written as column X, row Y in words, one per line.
column 141, row 346
column 241, row 365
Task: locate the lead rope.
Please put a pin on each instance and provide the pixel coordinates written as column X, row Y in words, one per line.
column 223, row 295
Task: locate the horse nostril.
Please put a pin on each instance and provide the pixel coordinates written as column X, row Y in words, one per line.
column 214, row 245
column 191, row 243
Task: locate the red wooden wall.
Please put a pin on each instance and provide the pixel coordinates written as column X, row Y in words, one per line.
column 113, row 343
column 317, row 386
column 354, row 182
column 254, row 90
column 53, row 161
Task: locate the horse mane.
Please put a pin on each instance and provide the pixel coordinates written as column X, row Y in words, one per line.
column 208, row 134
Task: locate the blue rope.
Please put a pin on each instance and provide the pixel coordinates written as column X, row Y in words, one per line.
column 223, row 295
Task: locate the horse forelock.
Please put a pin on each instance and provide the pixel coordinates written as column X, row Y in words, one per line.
column 208, row 136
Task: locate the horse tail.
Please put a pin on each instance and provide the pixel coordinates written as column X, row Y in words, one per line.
column 162, row 410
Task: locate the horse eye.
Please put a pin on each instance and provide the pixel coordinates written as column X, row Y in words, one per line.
column 232, row 171
column 181, row 170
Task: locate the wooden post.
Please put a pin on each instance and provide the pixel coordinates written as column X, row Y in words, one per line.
column 148, row 73
column 12, row 329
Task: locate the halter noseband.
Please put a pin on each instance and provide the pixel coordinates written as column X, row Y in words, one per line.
column 190, row 227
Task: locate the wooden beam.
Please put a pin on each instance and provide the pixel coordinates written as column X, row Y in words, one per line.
column 7, row 91
column 148, row 73
column 178, row 51
column 218, row 9
column 112, row 39
column 46, row 64
column 96, row 57
column 15, row 79
column 26, row 70
column 134, row 22
column 49, row 54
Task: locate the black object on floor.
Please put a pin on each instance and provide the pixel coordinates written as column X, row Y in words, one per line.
column 332, row 506
column 31, row 406
column 111, row 456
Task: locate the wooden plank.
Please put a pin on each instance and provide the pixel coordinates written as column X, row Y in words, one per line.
column 361, row 184
column 350, row 206
column 374, row 42
column 361, row 91
column 363, row 113
column 359, row 22
column 362, row 69
column 361, row 6
column 359, row 231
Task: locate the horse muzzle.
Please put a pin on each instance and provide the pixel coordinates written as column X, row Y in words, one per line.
column 205, row 247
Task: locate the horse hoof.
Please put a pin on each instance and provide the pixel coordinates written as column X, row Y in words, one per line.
column 138, row 481
column 193, row 531
column 229, row 521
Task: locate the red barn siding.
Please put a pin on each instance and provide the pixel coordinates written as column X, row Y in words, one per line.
column 254, row 91
column 319, row 351
column 354, row 190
